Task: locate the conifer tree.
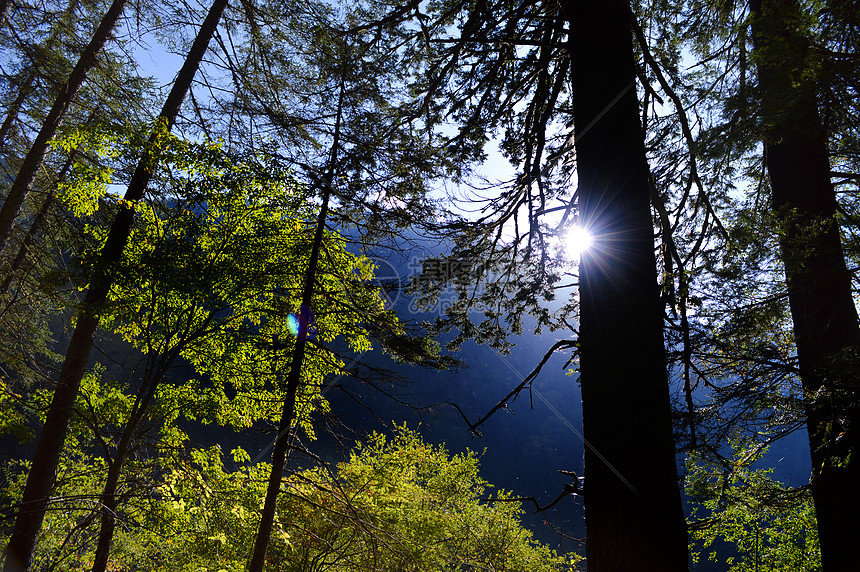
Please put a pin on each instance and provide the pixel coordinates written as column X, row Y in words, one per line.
column 634, row 519
column 825, row 322
column 523, row 66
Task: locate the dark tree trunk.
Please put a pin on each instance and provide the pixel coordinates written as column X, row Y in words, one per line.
column 294, row 376
column 826, row 328
column 40, row 480
column 633, row 514
column 27, row 173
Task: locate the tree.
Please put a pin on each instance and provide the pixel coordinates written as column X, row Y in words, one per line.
column 290, row 66
column 510, row 65
column 295, row 375
column 27, row 85
column 396, row 503
column 427, row 502
column 825, row 322
column 27, row 173
column 769, row 524
column 50, row 444
column 210, row 277
column 804, row 324
column 634, row 518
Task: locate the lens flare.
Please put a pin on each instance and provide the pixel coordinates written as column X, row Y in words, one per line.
column 293, row 324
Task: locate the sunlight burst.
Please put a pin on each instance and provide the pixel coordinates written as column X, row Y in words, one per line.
column 576, row 240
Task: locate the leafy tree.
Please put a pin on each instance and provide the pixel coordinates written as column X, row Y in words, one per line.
column 42, row 474
column 396, row 504
column 211, row 278
column 767, row 524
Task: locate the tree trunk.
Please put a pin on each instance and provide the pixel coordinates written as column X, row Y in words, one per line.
column 109, row 501
column 24, row 92
column 27, row 87
column 633, row 514
column 27, row 173
column 825, row 320
column 282, row 440
column 40, row 480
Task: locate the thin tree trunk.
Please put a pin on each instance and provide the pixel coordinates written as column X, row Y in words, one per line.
column 825, row 319
column 33, row 160
column 633, row 513
column 282, row 440
column 25, row 90
column 27, row 87
column 19, row 553
column 109, row 501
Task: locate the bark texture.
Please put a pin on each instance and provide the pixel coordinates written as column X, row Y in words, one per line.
column 633, row 514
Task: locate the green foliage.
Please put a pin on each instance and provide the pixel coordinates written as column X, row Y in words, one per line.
column 89, row 179
column 68, row 527
column 13, row 420
column 212, row 278
column 397, row 504
column 769, row 526
column 213, row 275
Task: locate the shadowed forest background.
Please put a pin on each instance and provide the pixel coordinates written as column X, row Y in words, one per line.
column 297, row 286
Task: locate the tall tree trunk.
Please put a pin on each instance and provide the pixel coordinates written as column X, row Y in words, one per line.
column 30, row 166
column 282, row 440
column 825, row 319
column 40, row 480
column 633, row 514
